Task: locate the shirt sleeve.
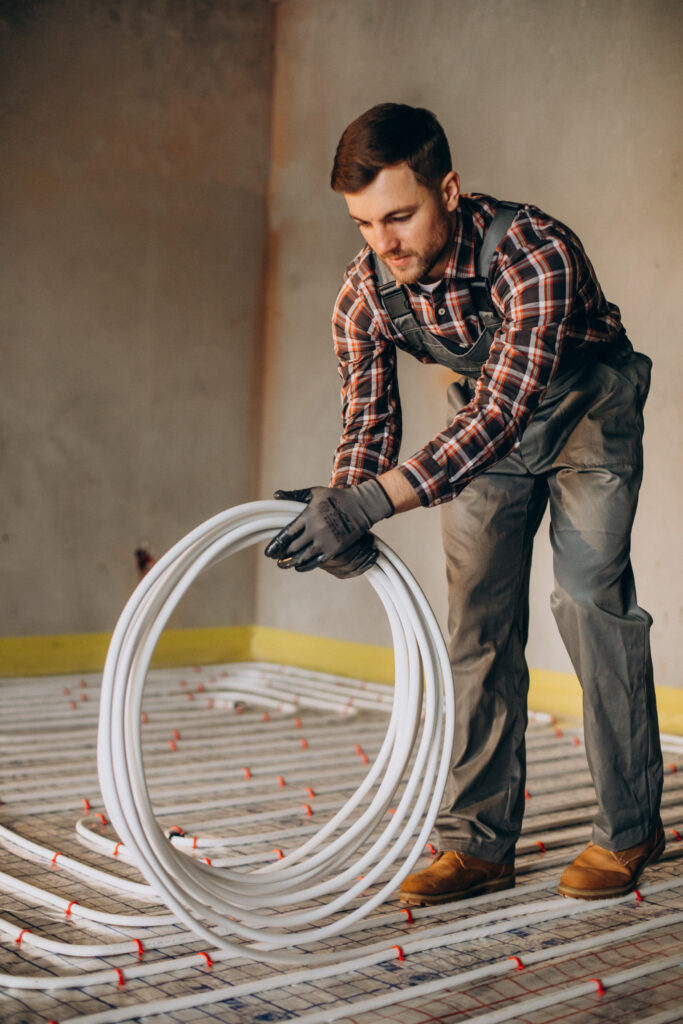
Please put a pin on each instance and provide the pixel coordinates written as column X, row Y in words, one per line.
column 533, row 288
column 371, row 409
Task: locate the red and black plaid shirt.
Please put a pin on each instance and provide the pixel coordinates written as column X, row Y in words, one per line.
column 546, row 291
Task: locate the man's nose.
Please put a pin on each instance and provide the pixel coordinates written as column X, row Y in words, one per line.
column 385, row 240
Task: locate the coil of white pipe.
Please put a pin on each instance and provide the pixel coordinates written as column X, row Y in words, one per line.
column 407, row 776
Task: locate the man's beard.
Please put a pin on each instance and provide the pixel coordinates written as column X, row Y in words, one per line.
column 422, row 262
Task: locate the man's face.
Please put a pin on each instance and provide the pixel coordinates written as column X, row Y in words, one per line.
column 406, row 224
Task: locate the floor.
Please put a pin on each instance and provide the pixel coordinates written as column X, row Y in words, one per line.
column 243, row 763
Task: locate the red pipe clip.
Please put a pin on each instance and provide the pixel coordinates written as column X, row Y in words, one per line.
column 399, row 953
column 431, row 849
column 304, row 744
column 175, row 734
column 676, row 835
column 527, row 794
column 247, row 773
column 56, row 854
column 280, row 781
column 209, row 961
column 119, row 972
column 310, row 792
column 86, row 804
column 67, row 912
column 102, row 818
column 518, row 962
column 639, row 898
column 601, row 987
column 408, row 914
column 140, row 948
column 24, row 931
column 279, row 853
column 266, row 716
column 297, row 723
column 172, row 745
column 309, row 812
column 116, row 849
column 541, row 847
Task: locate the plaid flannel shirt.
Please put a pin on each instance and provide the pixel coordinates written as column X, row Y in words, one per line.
column 544, row 288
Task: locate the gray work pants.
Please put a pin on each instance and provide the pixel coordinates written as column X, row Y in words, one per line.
column 581, row 455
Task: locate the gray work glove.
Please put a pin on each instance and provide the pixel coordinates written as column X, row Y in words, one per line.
column 333, row 531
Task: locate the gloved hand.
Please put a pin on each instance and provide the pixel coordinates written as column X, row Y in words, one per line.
column 333, row 531
column 353, row 561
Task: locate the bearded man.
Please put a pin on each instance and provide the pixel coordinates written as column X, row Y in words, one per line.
column 545, row 411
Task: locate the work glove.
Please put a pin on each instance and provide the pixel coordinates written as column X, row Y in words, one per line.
column 333, row 531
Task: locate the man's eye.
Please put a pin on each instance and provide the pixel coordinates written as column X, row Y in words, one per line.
column 404, row 216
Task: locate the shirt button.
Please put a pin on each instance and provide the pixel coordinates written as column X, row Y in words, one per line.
column 441, row 312
column 437, row 501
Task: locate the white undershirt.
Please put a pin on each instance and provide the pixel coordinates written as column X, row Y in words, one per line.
column 429, row 288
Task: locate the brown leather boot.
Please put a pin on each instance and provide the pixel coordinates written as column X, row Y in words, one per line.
column 454, row 876
column 597, row 874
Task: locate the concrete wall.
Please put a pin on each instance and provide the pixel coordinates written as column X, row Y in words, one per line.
column 569, row 105
column 134, row 153
column 146, row 369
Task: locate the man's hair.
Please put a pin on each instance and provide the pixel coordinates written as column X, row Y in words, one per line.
column 388, row 134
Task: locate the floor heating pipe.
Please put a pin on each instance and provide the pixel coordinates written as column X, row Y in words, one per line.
column 204, row 897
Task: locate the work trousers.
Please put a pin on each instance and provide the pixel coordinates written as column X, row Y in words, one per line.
column 582, row 455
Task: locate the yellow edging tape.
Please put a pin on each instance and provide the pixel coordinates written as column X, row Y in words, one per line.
column 323, row 654
column 558, row 693
column 85, row 652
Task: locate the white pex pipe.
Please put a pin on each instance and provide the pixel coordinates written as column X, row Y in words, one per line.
column 420, row 727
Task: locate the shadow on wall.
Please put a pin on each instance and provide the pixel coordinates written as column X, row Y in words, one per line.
column 135, row 166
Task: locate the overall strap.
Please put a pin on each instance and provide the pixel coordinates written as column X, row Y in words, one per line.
column 397, row 304
column 480, row 287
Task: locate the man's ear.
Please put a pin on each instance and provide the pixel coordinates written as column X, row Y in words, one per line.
column 450, row 191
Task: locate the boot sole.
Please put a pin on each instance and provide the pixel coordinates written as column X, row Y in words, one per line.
column 622, row 890
column 416, row 899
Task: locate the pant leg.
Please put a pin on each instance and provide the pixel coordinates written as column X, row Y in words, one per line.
column 593, row 497
column 488, row 534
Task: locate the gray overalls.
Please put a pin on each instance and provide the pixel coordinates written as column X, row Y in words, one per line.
column 581, row 455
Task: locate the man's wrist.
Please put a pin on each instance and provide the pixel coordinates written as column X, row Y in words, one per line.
column 399, row 490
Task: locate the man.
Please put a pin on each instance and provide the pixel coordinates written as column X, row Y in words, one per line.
column 548, row 411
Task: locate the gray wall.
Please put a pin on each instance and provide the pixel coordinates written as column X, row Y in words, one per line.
column 151, row 377
column 134, row 152
column 567, row 105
